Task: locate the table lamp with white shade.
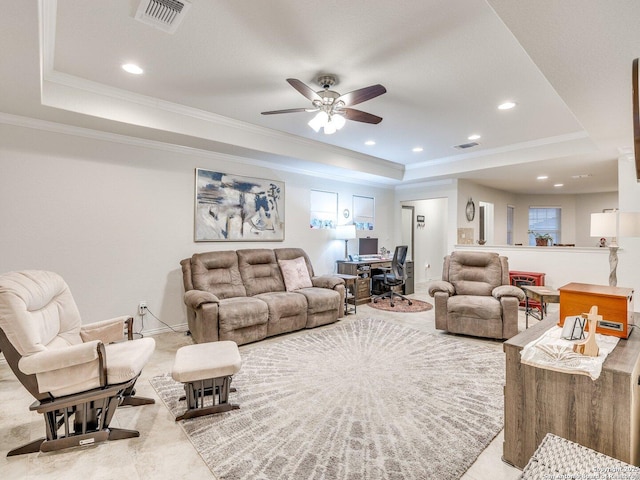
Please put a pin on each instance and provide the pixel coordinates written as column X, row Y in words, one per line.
column 613, row 224
column 346, row 233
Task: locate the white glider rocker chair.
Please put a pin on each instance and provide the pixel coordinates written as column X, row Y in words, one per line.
column 79, row 374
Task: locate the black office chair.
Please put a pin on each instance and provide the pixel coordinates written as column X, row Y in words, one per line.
column 395, row 277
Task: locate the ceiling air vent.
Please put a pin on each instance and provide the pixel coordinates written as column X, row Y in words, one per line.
column 165, row 15
column 466, row 145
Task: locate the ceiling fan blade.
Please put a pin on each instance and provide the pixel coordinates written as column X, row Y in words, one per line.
column 362, row 94
column 304, row 89
column 289, row 110
column 360, row 116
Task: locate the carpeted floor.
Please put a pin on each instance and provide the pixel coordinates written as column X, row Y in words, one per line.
column 361, row 400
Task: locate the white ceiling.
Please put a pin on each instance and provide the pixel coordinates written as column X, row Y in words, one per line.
column 446, row 65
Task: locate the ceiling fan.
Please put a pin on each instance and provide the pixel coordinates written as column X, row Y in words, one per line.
column 333, row 109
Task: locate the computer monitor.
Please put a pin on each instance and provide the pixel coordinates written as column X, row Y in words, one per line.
column 367, row 246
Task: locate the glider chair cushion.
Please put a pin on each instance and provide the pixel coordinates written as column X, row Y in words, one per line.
column 73, row 371
column 474, row 296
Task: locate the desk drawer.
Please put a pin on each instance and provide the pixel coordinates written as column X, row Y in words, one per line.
column 362, row 287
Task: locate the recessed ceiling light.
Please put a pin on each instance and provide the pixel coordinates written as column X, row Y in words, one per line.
column 542, row 177
column 506, row 106
column 558, row 184
column 417, row 149
column 475, row 136
column 369, row 142
column 132, row 68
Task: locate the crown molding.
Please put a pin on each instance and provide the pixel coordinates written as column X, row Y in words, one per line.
column 430, row 184
column 570, row 137
column 54, row 127
column 102, row 90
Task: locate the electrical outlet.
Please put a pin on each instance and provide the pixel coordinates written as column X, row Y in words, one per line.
column 142, row 308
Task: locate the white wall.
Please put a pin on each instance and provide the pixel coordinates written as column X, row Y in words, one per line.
column 115, row 218
column 478, row 193
column 586, row 205
column 561, row 265
column 629, row 253
column 431, row 241
column 576, row 212
column 437, row 201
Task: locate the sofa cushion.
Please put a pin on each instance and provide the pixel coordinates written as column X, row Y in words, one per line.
column 240, row 312
column 477, row 316
column 291, row 253
column 320, row 299
column 295, row 274
column 287, row 311
column 218, row 273
column 259, row 271
column 474, row 307
column 284, row 304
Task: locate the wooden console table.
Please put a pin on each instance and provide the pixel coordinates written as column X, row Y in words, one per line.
column 603, row 415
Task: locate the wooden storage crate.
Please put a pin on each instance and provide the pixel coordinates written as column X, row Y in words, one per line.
column 615, row 304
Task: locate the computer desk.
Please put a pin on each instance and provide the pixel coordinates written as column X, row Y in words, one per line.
column 367, row 268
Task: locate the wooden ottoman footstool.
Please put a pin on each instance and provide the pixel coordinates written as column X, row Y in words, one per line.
column 206, row 370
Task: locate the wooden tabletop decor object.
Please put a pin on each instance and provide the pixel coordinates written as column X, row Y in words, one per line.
column 589, row 347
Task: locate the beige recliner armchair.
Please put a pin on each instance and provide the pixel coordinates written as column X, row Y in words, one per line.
column 474, row 296
column 79, row 374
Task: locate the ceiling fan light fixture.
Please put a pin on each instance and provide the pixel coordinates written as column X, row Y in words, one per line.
column 319, row 121
column 333, row 108
column 338, row 121
column 330, row 128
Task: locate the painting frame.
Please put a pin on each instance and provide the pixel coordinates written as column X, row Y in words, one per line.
column 237, row 208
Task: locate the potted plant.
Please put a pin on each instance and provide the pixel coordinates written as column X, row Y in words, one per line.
column 542, row 239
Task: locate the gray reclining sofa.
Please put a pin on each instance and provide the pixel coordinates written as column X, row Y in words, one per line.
column 248, row 295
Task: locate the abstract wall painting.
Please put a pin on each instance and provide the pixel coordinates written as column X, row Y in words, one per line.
column 237, row 208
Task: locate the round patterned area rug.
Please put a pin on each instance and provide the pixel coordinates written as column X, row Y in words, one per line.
column 363, row 399
column 400, row 305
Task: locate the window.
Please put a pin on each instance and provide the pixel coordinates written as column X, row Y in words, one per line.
column 510, row 218
column 324, row 209
column 363, row 212
column 544, row 220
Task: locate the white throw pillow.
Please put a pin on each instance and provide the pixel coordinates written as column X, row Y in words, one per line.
column 295, row 274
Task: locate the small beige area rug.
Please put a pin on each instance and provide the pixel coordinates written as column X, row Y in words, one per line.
column 400, row 305
column 358, row 400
